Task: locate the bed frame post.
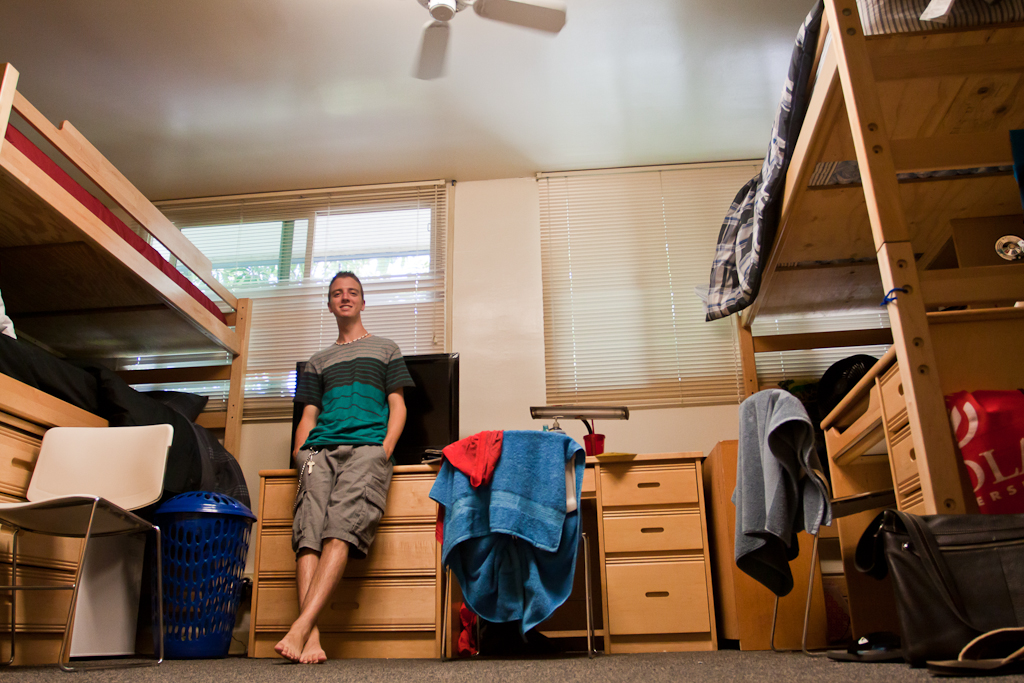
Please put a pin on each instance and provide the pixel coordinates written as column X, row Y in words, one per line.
column 236, row 391
column 8, row 86
column 747, row 358
column 937, row 460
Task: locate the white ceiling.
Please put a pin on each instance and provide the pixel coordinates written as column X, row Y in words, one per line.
column 206, row 97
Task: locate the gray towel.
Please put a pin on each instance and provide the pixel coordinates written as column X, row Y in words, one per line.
column 777, row 494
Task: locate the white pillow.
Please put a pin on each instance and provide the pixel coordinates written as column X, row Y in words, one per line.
column 6, row 324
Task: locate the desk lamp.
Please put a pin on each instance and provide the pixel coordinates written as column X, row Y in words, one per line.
column 594, row 443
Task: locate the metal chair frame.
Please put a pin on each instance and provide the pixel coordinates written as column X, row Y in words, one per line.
column 139, row 525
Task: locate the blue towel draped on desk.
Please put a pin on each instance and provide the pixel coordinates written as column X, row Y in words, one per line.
column 511, row 544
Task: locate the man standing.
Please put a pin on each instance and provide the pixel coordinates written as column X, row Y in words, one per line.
column 354, row 413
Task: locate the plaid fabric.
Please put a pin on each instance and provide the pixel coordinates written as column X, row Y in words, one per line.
column 749, row 227
column 904, row 16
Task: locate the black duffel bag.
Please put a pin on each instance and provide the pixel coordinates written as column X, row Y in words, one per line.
column 954, row 576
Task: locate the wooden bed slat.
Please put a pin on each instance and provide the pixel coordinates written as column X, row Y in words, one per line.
column 201, row 373
column 822, row 340
column 980, row 284
column 961, row 60
column 942, row 152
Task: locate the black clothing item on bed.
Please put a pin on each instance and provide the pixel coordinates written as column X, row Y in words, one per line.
column 196, row 461
column 122, row 406
column 35, row 367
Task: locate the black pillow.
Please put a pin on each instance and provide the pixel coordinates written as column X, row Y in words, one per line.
column 189, row 405
column 122, row 406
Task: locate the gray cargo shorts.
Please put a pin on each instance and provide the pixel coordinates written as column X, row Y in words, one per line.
column 342, row 494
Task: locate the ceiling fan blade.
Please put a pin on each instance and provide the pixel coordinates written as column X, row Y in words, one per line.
column 432, row 50
column 545, row 15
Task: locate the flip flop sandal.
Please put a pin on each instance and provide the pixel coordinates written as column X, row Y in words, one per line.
column 994, row 653
column 879, row 646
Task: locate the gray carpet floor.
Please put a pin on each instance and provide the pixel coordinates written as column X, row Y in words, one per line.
column 724, row 665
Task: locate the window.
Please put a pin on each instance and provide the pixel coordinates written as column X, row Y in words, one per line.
column 622, row 254
column 281, row 249
column 774, row 367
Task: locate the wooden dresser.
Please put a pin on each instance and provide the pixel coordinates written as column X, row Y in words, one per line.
column 25, row 415
column 387, row 605
column 655, row 566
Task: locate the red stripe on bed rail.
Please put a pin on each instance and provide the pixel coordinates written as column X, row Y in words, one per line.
column 50, row 167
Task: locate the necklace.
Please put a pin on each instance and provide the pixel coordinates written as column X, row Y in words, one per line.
column 337, row 343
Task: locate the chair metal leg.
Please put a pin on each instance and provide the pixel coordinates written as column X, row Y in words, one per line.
column 775, row 619
column 590, row 596
column 159, row 592
column 810, row 591
column 64, row 658
column 14, row 591
column 446, row 617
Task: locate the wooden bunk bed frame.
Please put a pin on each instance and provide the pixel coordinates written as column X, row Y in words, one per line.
column 902, row 103
column 132, row 307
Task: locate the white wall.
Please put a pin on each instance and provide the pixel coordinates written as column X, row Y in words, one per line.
column 498, row 330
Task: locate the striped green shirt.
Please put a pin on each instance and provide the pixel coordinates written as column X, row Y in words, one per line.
column 350, row 384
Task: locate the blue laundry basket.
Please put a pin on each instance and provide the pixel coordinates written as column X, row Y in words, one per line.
column 205, row 542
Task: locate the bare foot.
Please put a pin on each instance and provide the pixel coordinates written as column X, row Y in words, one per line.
column 312, row 653
column 290, row 646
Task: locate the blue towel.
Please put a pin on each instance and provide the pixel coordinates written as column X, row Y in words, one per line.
column 511, row 544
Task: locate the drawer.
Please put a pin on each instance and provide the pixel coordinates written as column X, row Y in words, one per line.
column 894, row 403
column 18, row 453
column 361, row 604
column 278, row 499
column 655, row 484
column 657, row 597
column 903, row 458
column 37, row 610
column 638, row 533
column 52, row 552
column 408, row 499
column 395, row 551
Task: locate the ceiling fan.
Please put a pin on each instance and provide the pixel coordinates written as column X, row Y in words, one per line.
column 545, row 15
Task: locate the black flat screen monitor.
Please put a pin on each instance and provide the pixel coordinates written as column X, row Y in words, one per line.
column 432, row 405
column 432, row 420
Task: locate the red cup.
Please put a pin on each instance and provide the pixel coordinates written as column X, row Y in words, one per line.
column 593, row 444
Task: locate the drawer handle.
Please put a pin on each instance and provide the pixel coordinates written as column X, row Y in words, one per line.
column 652, row 530
column 339, row 606
column 913, row 455
column 899, row 388
column 21, row 463
column 657, row 594
column 649, row 484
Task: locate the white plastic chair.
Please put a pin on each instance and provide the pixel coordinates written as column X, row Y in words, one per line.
column 84, row 483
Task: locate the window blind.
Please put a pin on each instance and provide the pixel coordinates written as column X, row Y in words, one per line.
column 622, row 252
column 281, row 249
column 810, row 364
